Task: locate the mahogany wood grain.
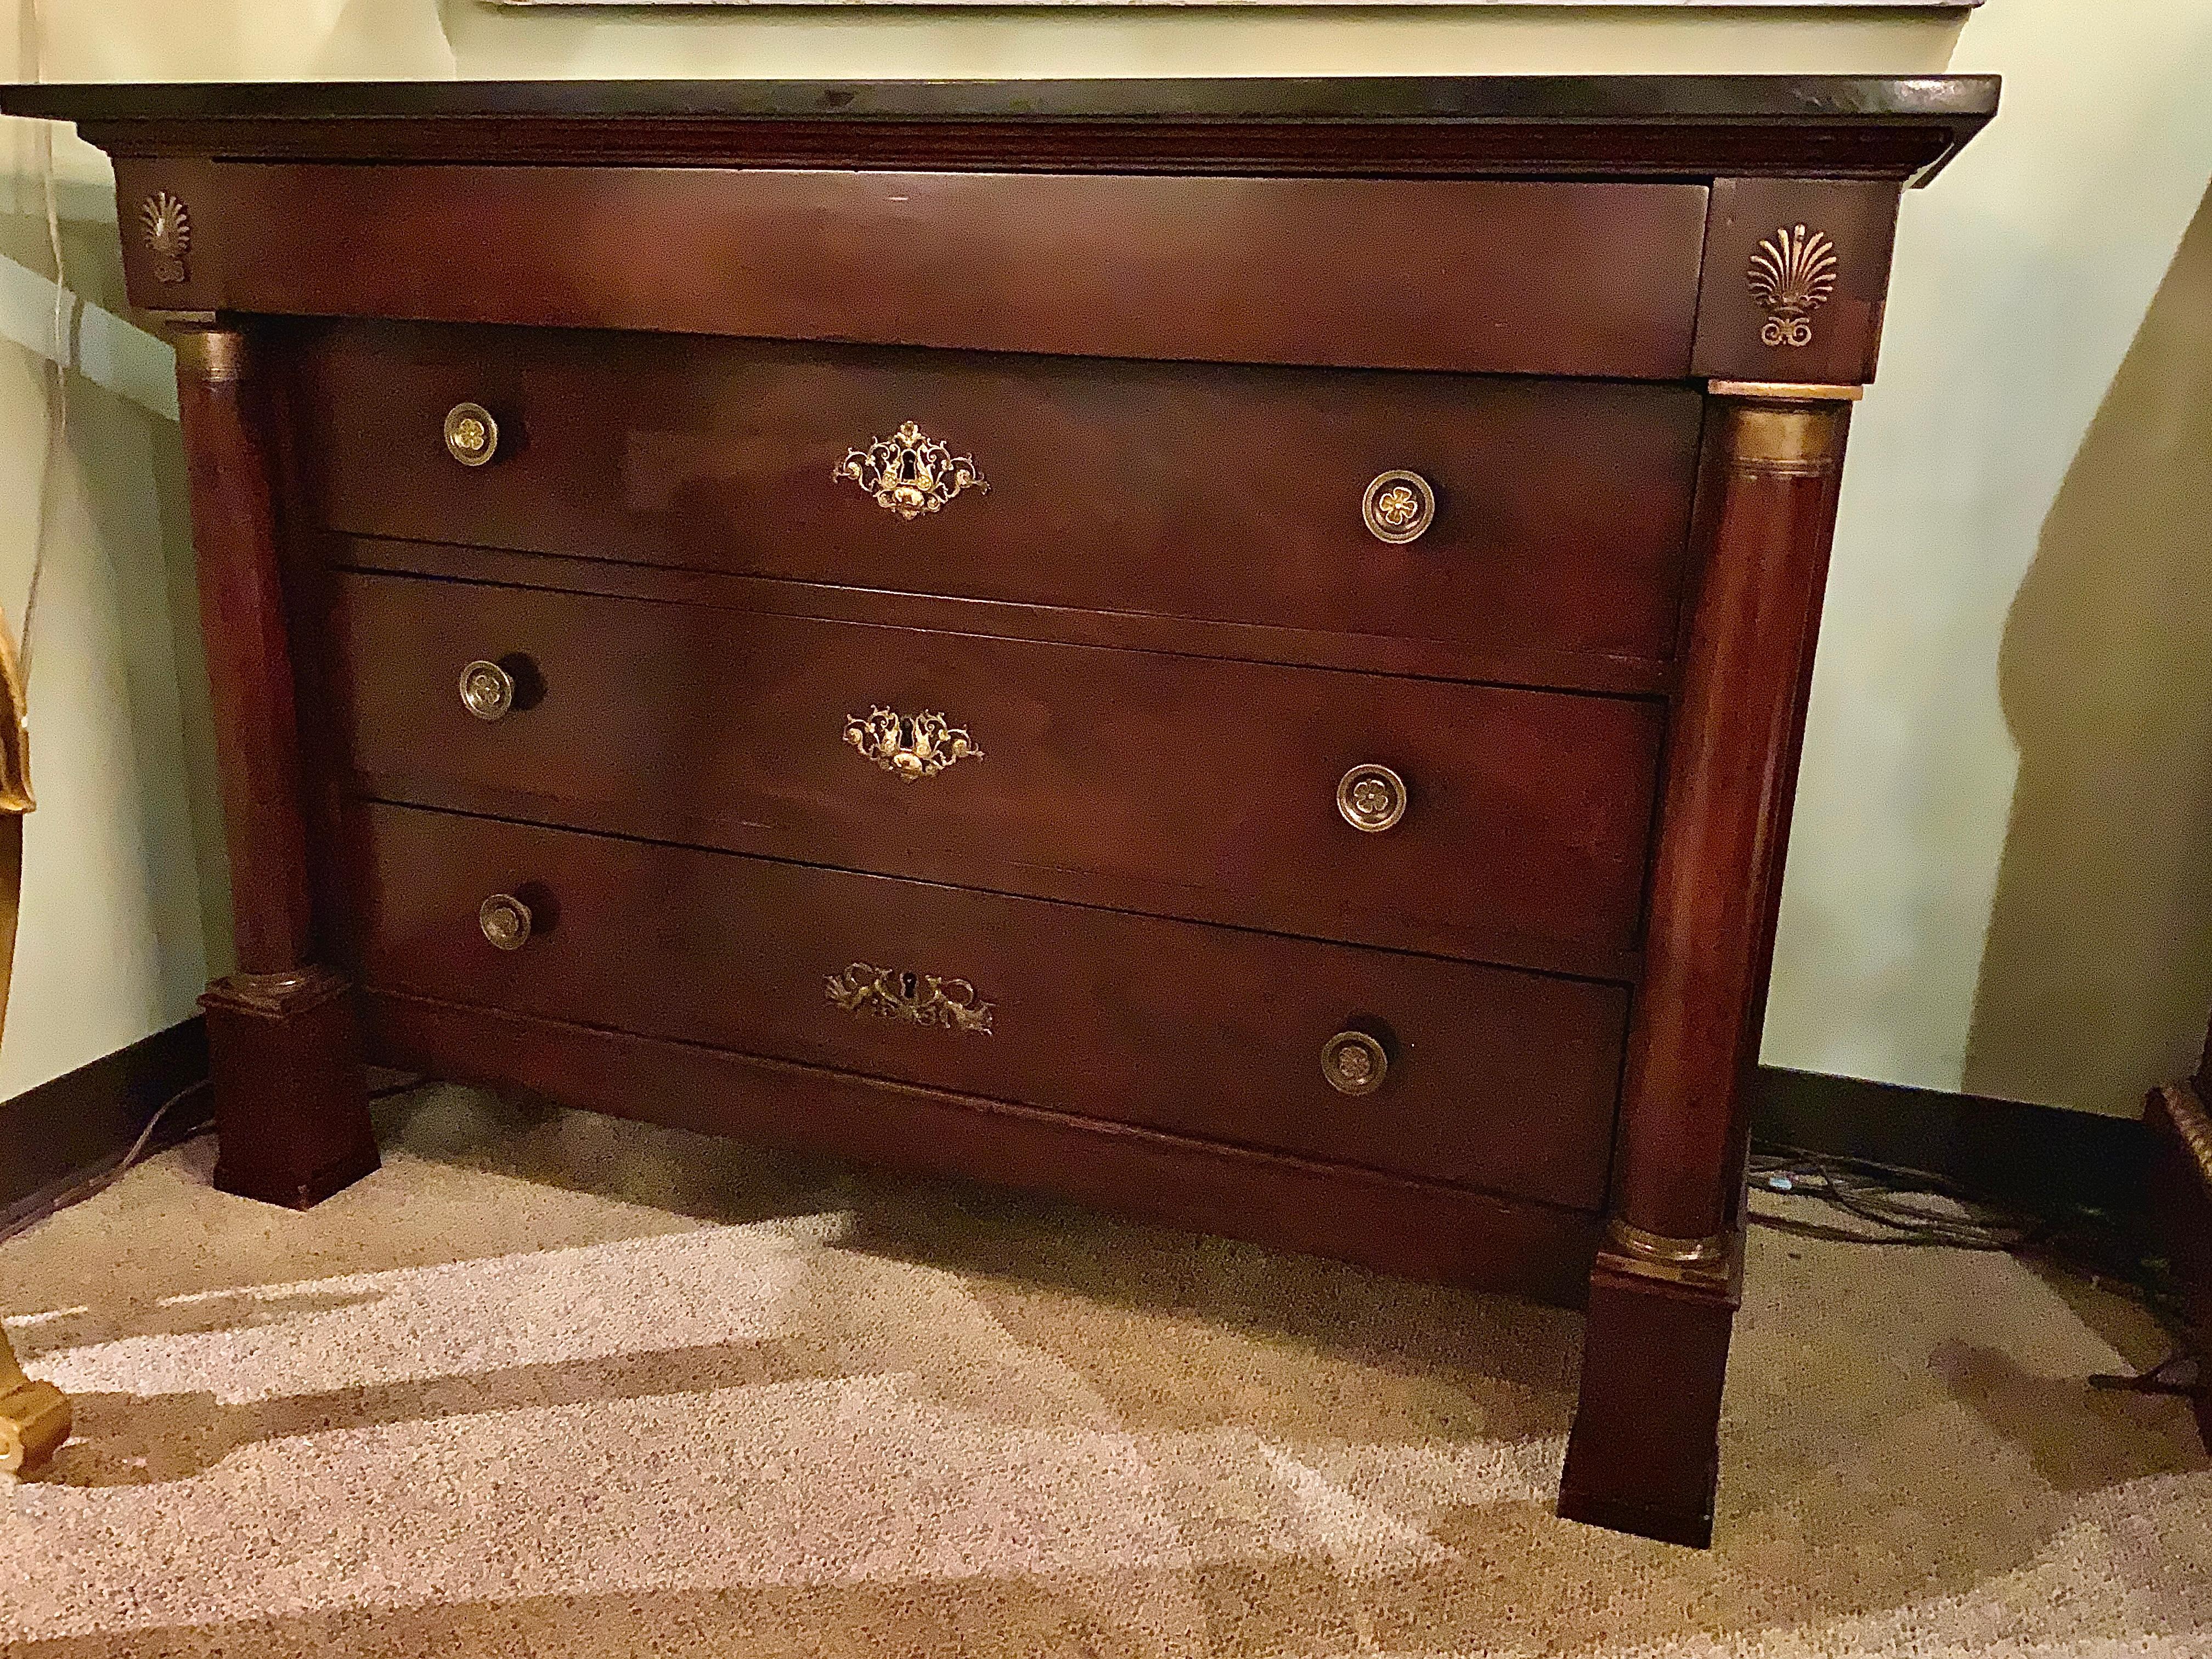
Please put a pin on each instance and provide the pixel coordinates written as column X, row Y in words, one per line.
column 1181, row 785
column 1730, row 778
column 283, row 1058
column 1766, row 518
column 1496, row 1080
column 1501, row 276
column 229, row 461
column 1644, row 1455
column 1197, row 492
column 291, row 1102
column 1577, row 125
column 1162, row 626
column 1534, row 665
column 1860, row 222
column 1410, row 1227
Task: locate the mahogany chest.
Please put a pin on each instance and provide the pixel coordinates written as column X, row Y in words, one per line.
column 1233, row 650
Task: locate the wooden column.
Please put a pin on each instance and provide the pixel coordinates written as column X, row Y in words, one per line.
column 283, row 1049
column 1643, row 1454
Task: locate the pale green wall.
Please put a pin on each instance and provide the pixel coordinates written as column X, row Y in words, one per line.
column 2001, row 873
column 114, row 939
column 212, row 39
column 1998, row 877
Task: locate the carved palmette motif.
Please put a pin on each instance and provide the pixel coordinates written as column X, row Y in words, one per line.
column 949, row 1005
column 1792, row 275
column 168, row 228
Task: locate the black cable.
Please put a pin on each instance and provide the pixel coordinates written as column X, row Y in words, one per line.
column 131, row 1159
column 2155, row 1380
column 1896, row 1206
column 1890, row 1205
column 139, row 1146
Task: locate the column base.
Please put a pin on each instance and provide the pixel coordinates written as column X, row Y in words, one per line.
column 291, row 1098
column 1644, row 1456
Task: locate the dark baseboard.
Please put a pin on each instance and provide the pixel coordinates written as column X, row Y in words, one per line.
column 2039, row 1157
column 65, row 1134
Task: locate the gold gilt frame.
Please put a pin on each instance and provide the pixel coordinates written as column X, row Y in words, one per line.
column 1678, row 5
column 34, row 1417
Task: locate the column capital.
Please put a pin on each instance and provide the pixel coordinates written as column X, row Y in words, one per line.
column 1786, row 391
column 208, row 351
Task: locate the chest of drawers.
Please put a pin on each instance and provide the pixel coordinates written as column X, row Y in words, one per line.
column 1233, row 650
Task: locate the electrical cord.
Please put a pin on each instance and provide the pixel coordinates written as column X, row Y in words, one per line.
column 124, row 1165
column 1884, row 1204
column 131, row 1159
column 2158, row 1379
column 1891, row 1204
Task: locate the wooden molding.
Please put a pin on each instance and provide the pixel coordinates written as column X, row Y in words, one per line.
column 1836, row 126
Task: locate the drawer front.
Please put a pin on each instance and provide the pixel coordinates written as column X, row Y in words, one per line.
column 1178, row 785
column 1560, row 516
column 1537, row 277
column 1489, row 1078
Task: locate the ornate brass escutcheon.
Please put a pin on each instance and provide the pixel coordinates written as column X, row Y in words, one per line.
column 1372, row 798
column 910, row 474
column 487, row 690
column 505, row 922
column 918, row 748
column 1354, row 1063
column 471, row 435
column 1398, row 506
column 949, row 1005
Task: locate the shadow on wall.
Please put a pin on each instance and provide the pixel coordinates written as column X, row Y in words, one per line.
column 2096, row 976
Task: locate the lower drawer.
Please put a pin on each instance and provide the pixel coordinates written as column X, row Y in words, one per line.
column 1488, row 1077
column 1179, row 786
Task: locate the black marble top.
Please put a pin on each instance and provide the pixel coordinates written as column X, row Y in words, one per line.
column 1607, row 99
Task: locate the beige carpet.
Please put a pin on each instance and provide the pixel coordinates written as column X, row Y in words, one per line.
column 555, row 1385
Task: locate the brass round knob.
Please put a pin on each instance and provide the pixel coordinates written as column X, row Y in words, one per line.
column 471, row 435
column 1354, row 1063
column 487, row 690
column 1372, row 798
column 1398, row 506
column 504, row 921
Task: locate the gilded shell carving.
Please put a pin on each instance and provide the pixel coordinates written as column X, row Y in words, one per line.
column 1792, row 275
column 167, row 225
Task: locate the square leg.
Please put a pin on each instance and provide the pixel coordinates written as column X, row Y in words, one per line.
column 1644, row 1456
column 291, row 1097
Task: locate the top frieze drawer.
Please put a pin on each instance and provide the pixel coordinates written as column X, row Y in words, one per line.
column 1484, row 275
